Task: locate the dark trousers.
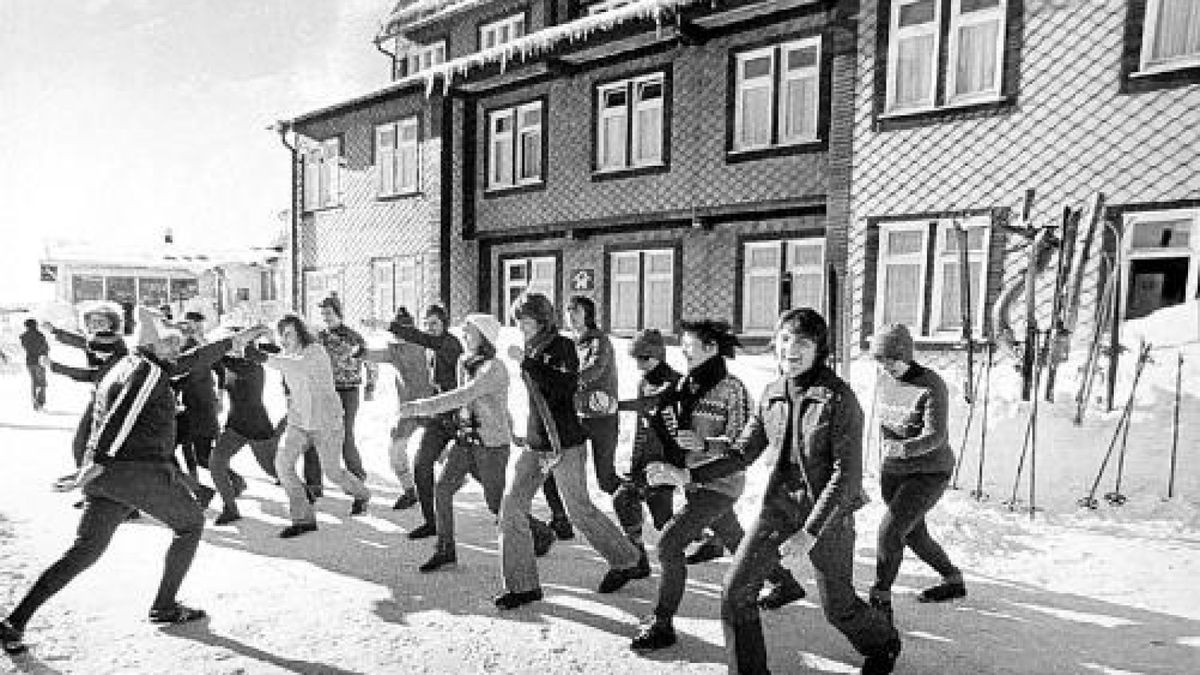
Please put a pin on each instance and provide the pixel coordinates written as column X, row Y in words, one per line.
column 908, row 499
column 627, row 503
column 435, row 434
column 833, row 565
column 489, row 466
column 703, row 509
column 350, row 403
column 154, row 488
column 602, row 433
column 228, row 444
column 37, row 385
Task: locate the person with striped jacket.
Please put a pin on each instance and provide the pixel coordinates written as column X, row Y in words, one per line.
column 127, row 465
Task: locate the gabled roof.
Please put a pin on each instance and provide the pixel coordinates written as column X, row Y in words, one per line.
column 409, row 12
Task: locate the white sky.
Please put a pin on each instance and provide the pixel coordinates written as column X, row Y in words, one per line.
column 119, row 118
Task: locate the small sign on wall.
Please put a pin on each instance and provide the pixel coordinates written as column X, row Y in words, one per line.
column 583, row 279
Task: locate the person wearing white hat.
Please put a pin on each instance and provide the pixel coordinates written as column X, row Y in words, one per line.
column 128, row 466
column 482, row 443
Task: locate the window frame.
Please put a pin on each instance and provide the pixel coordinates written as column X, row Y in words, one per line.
column 945, row 229
column 999, row 13
column 417, row 53
column 630, row 87
column 516, row 135
column 518, row 19
column 527, row 261
column 642, row 278
column 1146, row 66
column 893, row 55
column 1130, row 221
column 774, row 82
column 785, row 266
column 323, row 162
column 388, row 160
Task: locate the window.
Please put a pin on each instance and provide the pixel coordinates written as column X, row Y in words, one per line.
column 322, row 174
column 1159, row 260
column 266, row 284
column 772, row 111
column 974, row 53
column 1171, row 35
column 242, row 294
column 629, row 123
column 424, row 57
column 502, row 31
column 528, row 275
column 606, row 5
column 915, row 255
column 396, row 156
column 642, row 290
column 515, row 146
column 779, row 275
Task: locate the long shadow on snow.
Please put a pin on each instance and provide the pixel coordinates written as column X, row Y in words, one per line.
column 199, row 631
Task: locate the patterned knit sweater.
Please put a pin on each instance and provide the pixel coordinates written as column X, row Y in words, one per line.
column 720, row 412
column 913, row 411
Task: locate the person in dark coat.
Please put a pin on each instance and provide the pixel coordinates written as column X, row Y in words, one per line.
column 246, row 424
column 809, row 426
column 36, row 350
column 129, row 465
column 102, row 346
column 442, row 352
column 198, row 423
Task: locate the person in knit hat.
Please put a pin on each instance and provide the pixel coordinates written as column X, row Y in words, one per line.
column 913, row 411
column 483, row 438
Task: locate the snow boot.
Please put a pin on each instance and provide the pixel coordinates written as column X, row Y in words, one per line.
column 406, row 500
column 943, row 592
column 440, row 558
column 883, row 662
column 11, row 639
column 176, row 613
column 514, row 599
column 782, row 594
column 658, row 634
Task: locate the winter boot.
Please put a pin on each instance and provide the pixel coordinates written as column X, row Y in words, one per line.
column 657, row 634
column 406, row 500
column 782, row 594
column 884, row 661
column 440, row 558
column 943, row 592
column 12, row 639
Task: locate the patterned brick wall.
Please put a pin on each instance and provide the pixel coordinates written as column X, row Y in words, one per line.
column 1070, row 133
column 699, row 175
column 347, row 237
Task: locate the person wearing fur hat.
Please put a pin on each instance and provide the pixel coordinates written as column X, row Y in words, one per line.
column 442, row 353
column 710, row 406
column 913, row 410
column 33, row 342
column 345, row 347
column 809, row 425
column 102, row 347
column 128, row 466
column 481, row 445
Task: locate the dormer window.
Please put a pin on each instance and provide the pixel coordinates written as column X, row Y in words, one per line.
column 502, row 31
column 424, row 57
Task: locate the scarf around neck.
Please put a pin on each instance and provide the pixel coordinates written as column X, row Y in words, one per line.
column 696, row 385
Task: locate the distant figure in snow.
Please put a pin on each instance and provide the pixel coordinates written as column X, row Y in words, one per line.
column 36, row 351
column 913, row 409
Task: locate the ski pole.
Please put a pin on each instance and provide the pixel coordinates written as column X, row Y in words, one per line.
column 1115, row 497
column 1090, row 500
column 1175, row 427
column 1033, row 420
column 987, row 390
column 1012, row 500
column 962, row 452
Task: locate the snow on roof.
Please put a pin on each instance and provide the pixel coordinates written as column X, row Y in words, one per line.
column 408, row 11
column 547, row 38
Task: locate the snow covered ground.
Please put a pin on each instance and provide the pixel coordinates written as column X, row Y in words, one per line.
column 1070, row 591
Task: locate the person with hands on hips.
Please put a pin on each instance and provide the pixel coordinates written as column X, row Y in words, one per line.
column 809, row 425
column 913, row 409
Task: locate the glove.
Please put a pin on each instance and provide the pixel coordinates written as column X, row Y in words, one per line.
column 794, row 550
column 661, row 473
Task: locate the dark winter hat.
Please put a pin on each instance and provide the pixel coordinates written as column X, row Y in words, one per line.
column 648, row 343
column 193, row 316
column 404, row 318
column 892, row 342
column 333, row 304
column 438, row 312
column 31, row 324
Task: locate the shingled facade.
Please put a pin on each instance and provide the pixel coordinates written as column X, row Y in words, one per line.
column 963, row 105
column 690, row 162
